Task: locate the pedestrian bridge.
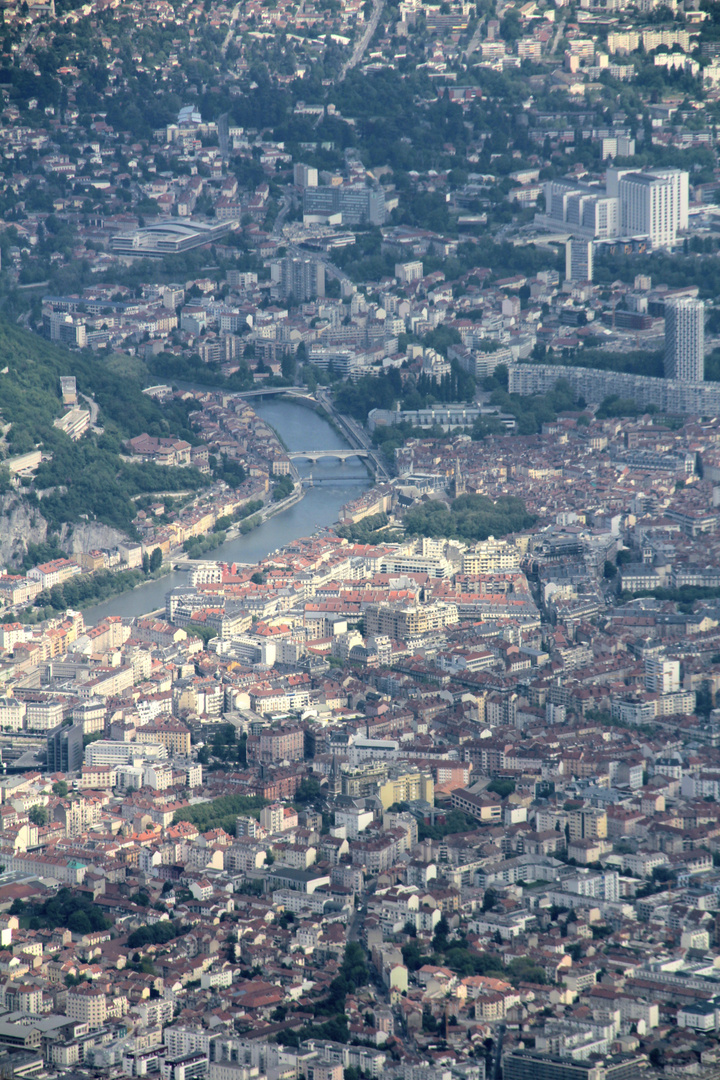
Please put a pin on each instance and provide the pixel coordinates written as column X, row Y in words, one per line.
column 320, row 455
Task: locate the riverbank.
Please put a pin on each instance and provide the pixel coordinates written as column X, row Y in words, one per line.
column 301, row 514
column 231, row 488
column 85, row 591
column 240, row 528
column 148, row 579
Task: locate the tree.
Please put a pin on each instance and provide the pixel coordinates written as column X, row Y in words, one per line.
column 429, row 1023
column 283, row 488
column 155, row 560
column 157, row 934
column 704, row 699
column 442, row 929
column 38, row 815
column 412, row 955
column 489, row 900
column 503, row 788
column 79, row 923
column 75, row 980
column 60, row 789
column 308, row 790
column 289, row 366
column 58, row 909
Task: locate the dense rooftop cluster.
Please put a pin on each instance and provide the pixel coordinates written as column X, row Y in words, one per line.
column 386, row 804
column 435, row 791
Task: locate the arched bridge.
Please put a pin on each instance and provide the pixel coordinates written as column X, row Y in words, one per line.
column 319, row 455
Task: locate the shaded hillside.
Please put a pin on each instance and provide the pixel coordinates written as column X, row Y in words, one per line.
column 84, row 480
column 30, row 392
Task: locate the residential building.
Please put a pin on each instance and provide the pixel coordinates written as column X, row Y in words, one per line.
column 685, row 339
column 578, row 260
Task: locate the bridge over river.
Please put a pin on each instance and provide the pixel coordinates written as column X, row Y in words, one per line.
column 314, row 456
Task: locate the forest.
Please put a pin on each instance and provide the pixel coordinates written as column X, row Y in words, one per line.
column 30, row 393
column 87, row 478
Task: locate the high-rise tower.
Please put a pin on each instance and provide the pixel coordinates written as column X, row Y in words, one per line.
column 685, row 339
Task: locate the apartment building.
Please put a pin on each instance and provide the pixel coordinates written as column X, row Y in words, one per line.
column 54, row 572
column 43, row 715
column 407, row 786
column 685, row 339
column 282, row 744
column 491, row 556
column 171, row 734
column 12, row 714
column 588, row 823
column 107, row 752
column 409, row 620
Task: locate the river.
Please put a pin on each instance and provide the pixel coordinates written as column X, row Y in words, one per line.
column 301, row 429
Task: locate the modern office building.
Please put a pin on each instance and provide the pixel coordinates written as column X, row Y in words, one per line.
column 358, row 205
column 65, row 748
column 652, row 203
column 582, row 209
column 579, row 260
column 685, row 339
column 531, row 1065
column 168, row 237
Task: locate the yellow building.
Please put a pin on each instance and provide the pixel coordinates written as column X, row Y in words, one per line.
column 363, row 780
column 91, row 560
column 588, row 823
column 175, row 736
column 407, row 787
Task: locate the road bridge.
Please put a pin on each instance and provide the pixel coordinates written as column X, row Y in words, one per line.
column 319, row 455
column 268, row 391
